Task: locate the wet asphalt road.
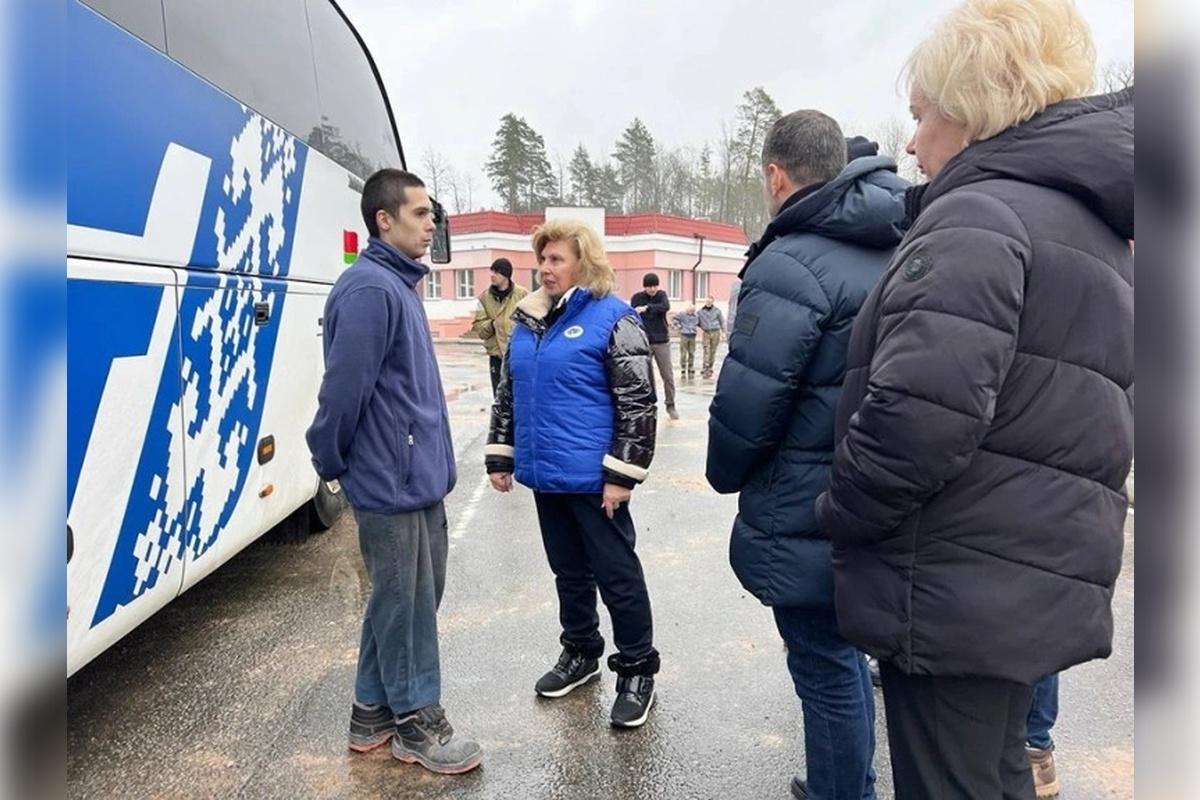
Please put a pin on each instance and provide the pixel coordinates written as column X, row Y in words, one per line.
column 241, row 687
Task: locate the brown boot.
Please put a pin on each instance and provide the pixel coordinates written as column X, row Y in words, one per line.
column 1045, row 777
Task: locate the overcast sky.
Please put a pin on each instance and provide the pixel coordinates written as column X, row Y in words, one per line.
column 581, row 70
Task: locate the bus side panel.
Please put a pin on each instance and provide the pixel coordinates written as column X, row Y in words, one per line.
column 123, row 360
column 166, row 169
column 329, row 208
column 241, row 501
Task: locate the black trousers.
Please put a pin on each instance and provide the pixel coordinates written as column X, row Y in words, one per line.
column 587, row 550
column 494, row 364
column 953, row 738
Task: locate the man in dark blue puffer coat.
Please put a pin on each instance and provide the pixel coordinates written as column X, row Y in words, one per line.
column 833, row 230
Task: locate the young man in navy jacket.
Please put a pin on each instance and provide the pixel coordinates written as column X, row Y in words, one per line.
column 383, row 432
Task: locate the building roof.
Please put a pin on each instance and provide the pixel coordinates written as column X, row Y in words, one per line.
column 614, row 225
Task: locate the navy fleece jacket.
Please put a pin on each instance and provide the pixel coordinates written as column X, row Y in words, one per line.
column 381, row 427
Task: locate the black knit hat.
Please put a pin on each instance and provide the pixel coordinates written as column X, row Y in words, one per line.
column 860, row 147
column 650, row 279
column 503, row 266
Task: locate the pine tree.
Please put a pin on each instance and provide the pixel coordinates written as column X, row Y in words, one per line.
column 583, row 178
column 609, row 191
column 519, row 167
column 509, row 161
column 756, row 114
column 635, row 155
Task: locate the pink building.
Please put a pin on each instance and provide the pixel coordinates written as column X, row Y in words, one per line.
column 693, row 258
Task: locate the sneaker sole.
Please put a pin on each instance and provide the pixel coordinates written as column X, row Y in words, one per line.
column 1047, row 791
column 409, row 757
column 366, row 745
column 571, row 686
column 637, row 723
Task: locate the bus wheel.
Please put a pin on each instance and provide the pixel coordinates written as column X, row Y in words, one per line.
column 327, row 507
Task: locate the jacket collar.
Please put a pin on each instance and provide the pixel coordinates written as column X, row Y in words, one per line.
column 535, row 311
column 409, row 269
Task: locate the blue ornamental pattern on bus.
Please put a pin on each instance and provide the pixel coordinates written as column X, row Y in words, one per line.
column 246, row 230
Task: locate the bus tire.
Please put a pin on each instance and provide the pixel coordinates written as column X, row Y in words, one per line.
column 327, row 507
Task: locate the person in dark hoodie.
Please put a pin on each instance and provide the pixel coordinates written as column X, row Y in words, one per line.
column 985, row 428
column 383, row 432
column 833, row 228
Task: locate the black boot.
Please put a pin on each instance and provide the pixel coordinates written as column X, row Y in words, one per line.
column 572, row 671
column 635, row 689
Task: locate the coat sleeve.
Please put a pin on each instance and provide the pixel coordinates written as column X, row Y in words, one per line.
column 657, row 306
column 947, row 333
column 498, row 452
column 782, row 311
column 484, row 326
column 627, row 363
column 360, row 331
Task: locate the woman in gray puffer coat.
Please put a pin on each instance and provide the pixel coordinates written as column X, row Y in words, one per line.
column 985, row 428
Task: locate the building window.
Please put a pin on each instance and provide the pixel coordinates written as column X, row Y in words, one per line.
column 433, row 285
column 675, row 284
column 702, row 285
column 465, row 281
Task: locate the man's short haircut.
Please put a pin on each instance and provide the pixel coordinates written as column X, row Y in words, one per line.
column 808, row 145
column 385, row 191
column 649, row 279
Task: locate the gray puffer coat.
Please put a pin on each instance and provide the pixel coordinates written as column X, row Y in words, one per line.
column 985, row 428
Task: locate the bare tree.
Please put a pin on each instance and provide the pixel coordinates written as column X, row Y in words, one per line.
column 436, row 170
column 893, row 137
column 468, row 187
column 1116, row 75
column 453, row 183
column 560, row 162
column 726, row 153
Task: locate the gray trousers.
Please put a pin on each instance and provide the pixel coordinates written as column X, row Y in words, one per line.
column 405, row 555
column 662, row 357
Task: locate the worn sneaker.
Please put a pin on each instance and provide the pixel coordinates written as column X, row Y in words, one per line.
column 370, row 729
column 571, row 671
column 1045, row 776
column 426, row 738
column 635, row 696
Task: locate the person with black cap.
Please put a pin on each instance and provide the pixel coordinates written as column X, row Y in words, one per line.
column 493, row 315
column 652, row 304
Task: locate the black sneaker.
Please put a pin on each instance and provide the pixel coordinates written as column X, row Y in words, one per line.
column 370, row 729
column 635, row 696
column 426, row 738
column 571, row 671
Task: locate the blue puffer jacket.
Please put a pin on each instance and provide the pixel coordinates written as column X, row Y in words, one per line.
column 563, row 406
column 772, row 419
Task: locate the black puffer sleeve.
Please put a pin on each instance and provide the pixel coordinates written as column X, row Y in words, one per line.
column 627, row 363
column 498, row 453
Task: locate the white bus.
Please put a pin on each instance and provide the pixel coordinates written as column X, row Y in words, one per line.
column 216, row 152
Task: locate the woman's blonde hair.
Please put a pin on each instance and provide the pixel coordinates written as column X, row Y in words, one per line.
column 991, row 64
column 596, row 274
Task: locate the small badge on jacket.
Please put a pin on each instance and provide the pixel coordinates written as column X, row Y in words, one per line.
column 917, row 267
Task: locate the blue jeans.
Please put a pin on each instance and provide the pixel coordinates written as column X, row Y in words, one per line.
column 834, row 687
column 405, row 555
column 1043, row 713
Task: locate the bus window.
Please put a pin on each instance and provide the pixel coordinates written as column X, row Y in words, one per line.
column 142, row 18
column 356, row 130
column 259, row 52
